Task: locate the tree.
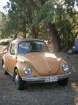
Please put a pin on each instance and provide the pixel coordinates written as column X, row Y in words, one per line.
column 55, row 17
column 2, row 24
column 58, row 16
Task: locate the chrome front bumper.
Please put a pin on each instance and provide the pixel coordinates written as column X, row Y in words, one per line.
column 52, row 78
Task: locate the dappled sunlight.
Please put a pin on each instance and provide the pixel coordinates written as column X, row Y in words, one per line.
column 76, row 100
column 50, row 55
column 74, row 86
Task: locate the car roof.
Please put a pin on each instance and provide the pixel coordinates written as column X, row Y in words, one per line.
column 17, row 40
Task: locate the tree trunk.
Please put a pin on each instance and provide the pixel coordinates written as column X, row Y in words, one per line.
column 34, row 32
column 55, row 36
column 15, row 36
column 24, row 34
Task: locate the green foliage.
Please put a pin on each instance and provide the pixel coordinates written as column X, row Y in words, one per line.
column 2, row 24
column 63, row 16
column 25, row 15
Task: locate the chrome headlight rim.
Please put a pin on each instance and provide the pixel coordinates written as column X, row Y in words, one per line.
column 65, row 67
column 27, row 70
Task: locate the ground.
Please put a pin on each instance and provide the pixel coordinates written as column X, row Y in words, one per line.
column 41, row 94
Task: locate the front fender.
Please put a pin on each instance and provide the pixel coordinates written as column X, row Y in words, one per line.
column 20, row 66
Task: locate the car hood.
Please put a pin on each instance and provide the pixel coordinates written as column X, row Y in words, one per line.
column 43, row 63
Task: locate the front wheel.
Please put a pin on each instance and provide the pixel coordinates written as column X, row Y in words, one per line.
column 63, row 82
column 19, row 82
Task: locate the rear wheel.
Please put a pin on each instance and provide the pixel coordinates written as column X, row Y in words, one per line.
column 19, row 82
column 63, row 82
column 5, row 72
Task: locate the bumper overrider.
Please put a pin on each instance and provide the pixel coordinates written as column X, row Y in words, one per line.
column 51, row 78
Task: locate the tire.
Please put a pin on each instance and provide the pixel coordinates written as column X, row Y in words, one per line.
column 63, row 82
column 19, row 82
column 5, row 72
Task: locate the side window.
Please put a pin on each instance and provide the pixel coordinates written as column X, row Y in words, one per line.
column 13, row 49
column 24, row 47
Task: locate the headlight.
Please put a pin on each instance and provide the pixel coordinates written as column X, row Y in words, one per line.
column 65, row 67
column 27, row 70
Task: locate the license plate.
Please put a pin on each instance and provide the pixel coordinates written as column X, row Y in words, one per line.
column 47, row 80
column 53, row 79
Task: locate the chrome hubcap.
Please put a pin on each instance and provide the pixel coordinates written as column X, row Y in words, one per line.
column 16, row 79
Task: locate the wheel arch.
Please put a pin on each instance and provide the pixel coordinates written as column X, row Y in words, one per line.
column 15, row 69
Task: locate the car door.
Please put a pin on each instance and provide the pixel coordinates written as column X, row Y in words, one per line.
column 12, row 58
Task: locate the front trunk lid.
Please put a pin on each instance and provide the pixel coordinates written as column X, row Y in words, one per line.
column 43, row 63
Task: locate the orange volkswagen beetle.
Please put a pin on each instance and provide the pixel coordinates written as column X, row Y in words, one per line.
column 30, row 61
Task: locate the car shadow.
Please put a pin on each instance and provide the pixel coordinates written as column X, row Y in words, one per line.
column 43, row 86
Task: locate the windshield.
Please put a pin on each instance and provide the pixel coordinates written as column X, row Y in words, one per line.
column 31, row 46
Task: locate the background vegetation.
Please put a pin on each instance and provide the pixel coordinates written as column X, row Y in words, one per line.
column 54, row 20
